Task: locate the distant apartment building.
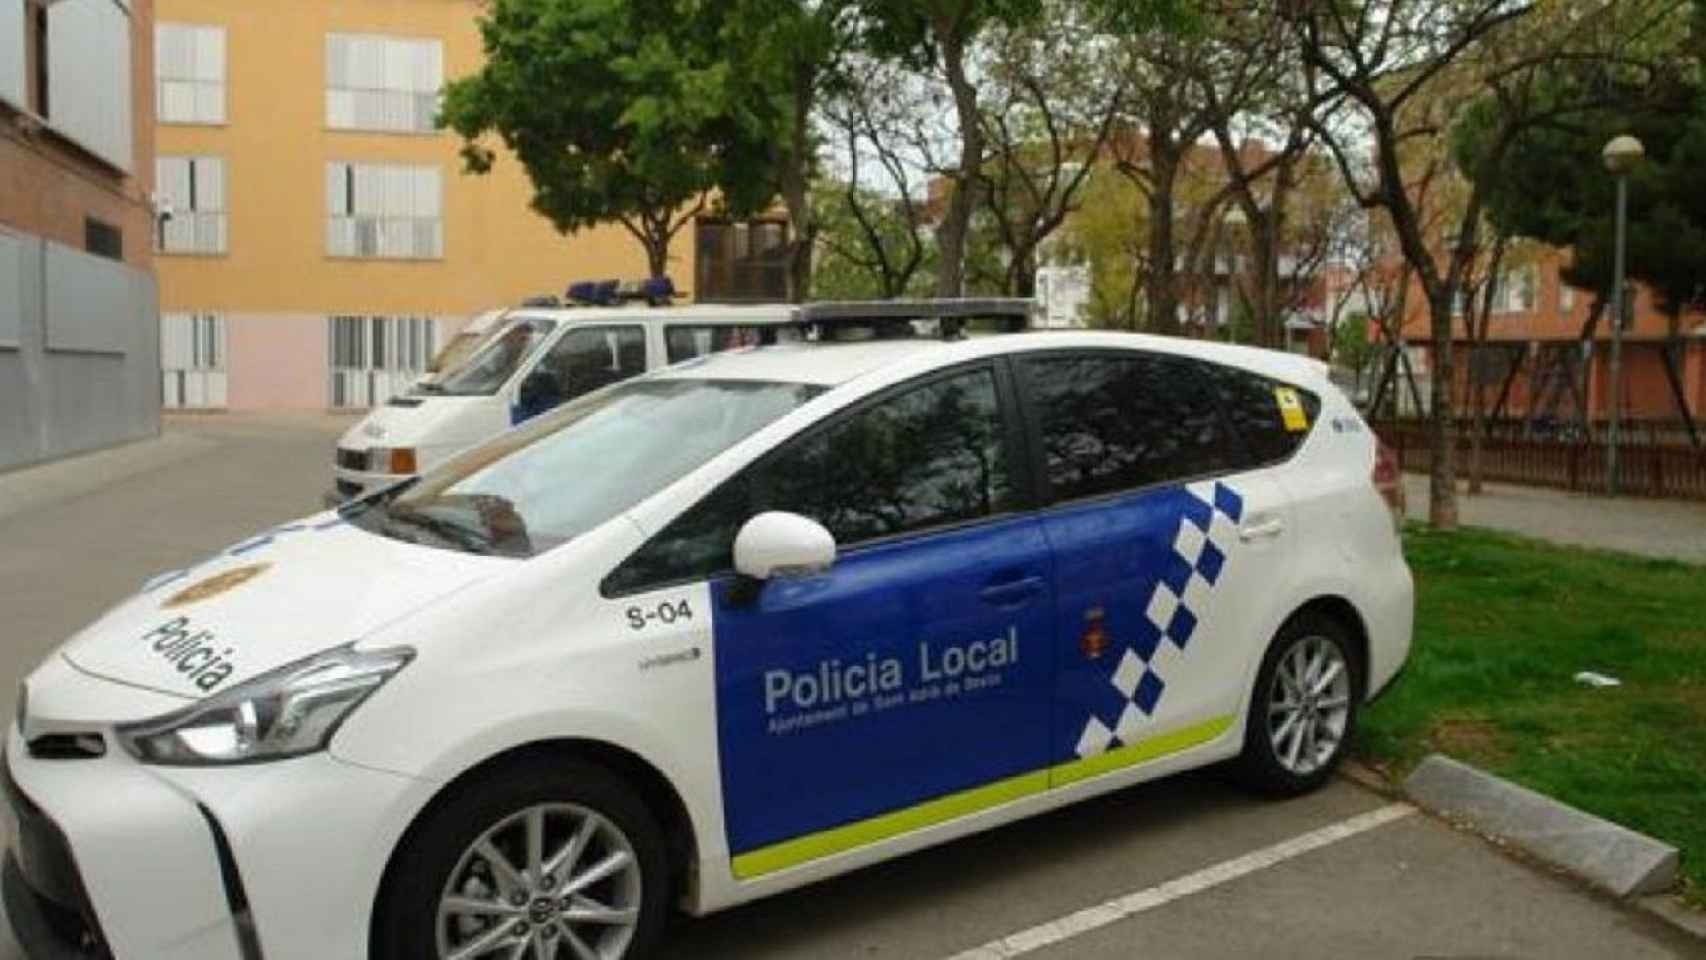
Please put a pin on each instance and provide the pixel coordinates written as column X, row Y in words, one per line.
column 79, row 336
column 323, row 240
column 1536, row 363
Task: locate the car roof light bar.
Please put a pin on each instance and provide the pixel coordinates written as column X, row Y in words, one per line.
column 1013, row 313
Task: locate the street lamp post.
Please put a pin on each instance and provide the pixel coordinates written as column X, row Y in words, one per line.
column 1621, row 155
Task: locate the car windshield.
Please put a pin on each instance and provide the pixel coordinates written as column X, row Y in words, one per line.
column 548, row 482
column 491, row 366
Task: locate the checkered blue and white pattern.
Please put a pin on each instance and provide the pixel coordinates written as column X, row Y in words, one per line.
column 1207, row 533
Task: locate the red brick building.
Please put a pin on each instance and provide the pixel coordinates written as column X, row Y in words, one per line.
column 1535, row 343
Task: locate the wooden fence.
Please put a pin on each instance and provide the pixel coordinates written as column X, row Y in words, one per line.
column 1648, row 469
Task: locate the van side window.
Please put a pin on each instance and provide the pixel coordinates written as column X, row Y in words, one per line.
column 686, row 341
column 1252, row 403
column 585, row 360
column 1112, row 422
column 931, row 456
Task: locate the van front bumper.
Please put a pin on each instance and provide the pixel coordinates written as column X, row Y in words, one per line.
column 350, row 485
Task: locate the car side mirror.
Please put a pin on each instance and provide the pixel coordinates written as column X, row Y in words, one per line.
column 777, row 544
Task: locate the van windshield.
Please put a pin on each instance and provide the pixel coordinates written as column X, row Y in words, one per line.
column 492, row 365
column 548, row 482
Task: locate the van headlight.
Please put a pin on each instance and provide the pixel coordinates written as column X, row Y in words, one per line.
column 394, row 460
column 287, row 712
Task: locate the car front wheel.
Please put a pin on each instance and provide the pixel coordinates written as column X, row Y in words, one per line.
column 535, row 862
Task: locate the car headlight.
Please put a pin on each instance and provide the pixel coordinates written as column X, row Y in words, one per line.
column 286, row 712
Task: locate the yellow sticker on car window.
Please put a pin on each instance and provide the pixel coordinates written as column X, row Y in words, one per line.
column 1291, row 409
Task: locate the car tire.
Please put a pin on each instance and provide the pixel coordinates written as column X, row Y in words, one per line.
column 445, row 889
column 1292, row 743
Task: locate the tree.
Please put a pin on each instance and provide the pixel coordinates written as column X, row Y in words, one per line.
column 1053, row 91
column 938, row 38
column 1376, row 72
column 1110, row 229
column 1184, row 84
column 624, row 110
column 787, row 52
column 878, row 117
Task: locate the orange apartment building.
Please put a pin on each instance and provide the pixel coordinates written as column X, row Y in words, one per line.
column 323, row 239
column 1534, row 335
column 79, row 338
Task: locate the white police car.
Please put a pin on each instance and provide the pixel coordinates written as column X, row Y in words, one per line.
column 710, row 634
column 525, row 362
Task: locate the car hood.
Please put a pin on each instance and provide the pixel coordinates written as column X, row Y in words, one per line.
column 425, row 420
column 267, row 601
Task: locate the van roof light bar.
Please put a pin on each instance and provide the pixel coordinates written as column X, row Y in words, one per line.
column 656, row 291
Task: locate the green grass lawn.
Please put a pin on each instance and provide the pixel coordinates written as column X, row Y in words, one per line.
column 1503, row 624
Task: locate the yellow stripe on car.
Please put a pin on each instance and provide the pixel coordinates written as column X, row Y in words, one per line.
column 851, row 836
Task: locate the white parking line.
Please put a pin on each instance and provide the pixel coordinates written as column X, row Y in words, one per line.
column 1092, row 918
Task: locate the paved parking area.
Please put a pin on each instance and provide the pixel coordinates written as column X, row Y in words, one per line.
column 1182, row 868
column 1668, row 529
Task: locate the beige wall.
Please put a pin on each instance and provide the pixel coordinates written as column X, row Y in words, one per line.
column 275, row 144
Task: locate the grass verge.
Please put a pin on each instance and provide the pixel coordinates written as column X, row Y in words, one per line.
column 1503, row 624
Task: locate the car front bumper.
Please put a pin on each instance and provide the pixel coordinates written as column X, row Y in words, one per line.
column 112, row 858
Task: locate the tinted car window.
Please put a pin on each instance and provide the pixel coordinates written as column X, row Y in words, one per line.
column 1111, row 422
column 1254, row 405
column 930, row 456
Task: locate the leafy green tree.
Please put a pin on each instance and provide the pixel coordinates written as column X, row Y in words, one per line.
column 787, row 53
column 1667, row 210
column 624, row 110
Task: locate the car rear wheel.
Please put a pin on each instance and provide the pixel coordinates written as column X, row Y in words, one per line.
column 1303, row 708
column 537, row 861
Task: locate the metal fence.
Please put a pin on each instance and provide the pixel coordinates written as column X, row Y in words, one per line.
column 1649, row 468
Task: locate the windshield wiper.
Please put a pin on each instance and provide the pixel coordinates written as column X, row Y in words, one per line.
column 464, row 537
column 429, row 387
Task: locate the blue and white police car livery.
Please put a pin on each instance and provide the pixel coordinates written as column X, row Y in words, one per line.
column 712, row 633
column 512, row 365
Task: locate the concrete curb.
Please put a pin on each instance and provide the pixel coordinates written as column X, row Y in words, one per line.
column 1608, row 856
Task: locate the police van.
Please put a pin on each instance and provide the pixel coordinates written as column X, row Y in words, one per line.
column 712, row 633
column 512, row 365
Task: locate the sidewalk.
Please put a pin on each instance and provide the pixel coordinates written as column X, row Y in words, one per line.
column 1673, row 529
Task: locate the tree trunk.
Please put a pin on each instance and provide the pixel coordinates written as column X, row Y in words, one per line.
column 657, row 255
column 1477, row 427
column 1266, row 256
column 1022, row 273
column 1442, row 426
column 956, row 221
column 795, row 186
column 1161, row 294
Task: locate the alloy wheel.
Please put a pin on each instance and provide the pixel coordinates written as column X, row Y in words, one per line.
column 1309, row 705
column 553, row 880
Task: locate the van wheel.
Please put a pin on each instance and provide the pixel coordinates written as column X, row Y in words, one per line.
column 538, row 860
column 1303, row 708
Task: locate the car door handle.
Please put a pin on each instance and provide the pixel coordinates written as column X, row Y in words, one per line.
column 1271, row 527
column 1009, row 593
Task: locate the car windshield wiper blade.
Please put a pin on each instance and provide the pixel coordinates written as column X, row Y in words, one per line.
column 465, row 537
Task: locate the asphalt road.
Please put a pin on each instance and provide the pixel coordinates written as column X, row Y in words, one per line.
column 1186, row 867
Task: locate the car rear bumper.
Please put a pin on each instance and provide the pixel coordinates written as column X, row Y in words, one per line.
column 277, row 860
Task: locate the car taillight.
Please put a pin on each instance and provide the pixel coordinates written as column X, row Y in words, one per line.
column 1388, row 479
